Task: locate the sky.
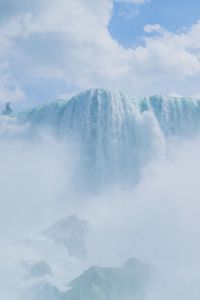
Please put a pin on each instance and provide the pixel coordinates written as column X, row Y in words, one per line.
column 128, row 20
column 53, row 49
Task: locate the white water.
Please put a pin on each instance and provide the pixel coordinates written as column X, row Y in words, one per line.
column 117, row 134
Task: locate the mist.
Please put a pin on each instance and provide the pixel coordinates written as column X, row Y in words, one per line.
column 156, row 220
column 34, row 179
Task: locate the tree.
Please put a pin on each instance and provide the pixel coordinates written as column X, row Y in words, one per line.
column 7, row 110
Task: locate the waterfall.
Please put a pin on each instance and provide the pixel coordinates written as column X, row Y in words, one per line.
column 117, row 134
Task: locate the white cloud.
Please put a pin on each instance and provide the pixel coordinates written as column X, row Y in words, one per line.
column 173, row 54
column 58, row 48
column 174, row 95
column 133, row 1
column 153, row 28
column 9, row 89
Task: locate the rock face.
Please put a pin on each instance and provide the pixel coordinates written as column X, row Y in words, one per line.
column 126, row 283
column 70, row 232
column 52, row 258
column 37, row 270
column 129, row 282
column 42, row 291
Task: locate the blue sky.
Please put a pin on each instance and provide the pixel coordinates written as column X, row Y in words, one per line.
column 52, row 49
column 128, row 20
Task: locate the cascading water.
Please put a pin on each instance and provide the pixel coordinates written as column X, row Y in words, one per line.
column 117, row 134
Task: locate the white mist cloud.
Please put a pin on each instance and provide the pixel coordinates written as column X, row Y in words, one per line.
column 35, row 178
column 157, row 221
column 160, row 215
